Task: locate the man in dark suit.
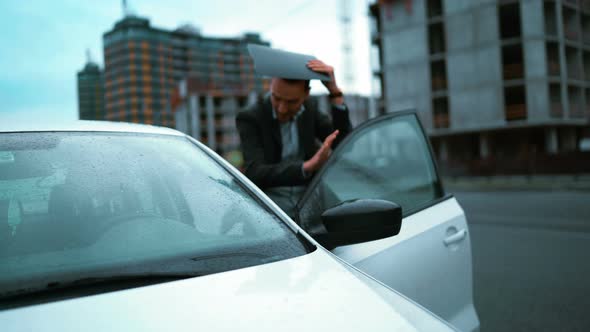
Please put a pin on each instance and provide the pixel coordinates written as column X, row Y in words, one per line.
column 282, row 134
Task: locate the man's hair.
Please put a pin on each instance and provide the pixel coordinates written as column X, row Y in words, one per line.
column 293, row 81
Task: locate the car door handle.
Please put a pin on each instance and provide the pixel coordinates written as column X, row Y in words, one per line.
column 459, row 236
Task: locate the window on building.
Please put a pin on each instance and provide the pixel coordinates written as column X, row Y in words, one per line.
column 552, row 53
column 550, row 18
column 573, row 63
column 575, row 102
column 586, row 60
column 436, row 38
column 555, row 104
column 438, row 75
column 586, row 28
column 512, row 62
column 509, row 15
column 571, row 23
column 440, row 107
column 435, row 8
column 515, row 103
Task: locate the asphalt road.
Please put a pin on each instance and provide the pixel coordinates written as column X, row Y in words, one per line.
column 531, row 259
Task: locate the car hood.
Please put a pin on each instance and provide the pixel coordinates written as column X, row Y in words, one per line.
column 314, row 292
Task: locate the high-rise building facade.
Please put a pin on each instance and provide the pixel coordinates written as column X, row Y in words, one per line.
column 208, row 117
column 90, row 92
column 144, row 64
column 212, row 118
column 358, row 105
column 492, row 80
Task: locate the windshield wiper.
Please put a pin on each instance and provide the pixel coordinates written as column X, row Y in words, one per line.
column 57, row 290
column 132, row 277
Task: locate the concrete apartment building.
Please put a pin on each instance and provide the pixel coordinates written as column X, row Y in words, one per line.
column 91, row 92
column 212, row 118
column 495, row 82
column 358, row 106
column 143, row 65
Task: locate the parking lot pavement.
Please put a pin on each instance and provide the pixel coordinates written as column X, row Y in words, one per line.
column 579, row 182
column 530, row 259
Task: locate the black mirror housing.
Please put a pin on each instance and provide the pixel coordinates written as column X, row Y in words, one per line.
column 361, row 220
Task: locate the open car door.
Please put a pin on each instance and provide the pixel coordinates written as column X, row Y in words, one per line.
column 429, row 260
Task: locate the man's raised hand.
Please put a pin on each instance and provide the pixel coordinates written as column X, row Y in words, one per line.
column 322, row 155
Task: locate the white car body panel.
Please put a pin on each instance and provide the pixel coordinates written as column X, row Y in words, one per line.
column 451, row 297
column 420, row 254
column 321, row 293
column 313, row 292
column 85, row 126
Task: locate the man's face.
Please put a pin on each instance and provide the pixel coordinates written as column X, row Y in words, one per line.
column 287, row 97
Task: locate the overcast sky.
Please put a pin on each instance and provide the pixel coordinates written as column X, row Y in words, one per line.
column 44, row 42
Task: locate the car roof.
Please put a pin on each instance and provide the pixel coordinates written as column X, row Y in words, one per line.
column 85, row 126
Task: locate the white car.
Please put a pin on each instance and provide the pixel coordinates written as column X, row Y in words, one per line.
column 107, row 226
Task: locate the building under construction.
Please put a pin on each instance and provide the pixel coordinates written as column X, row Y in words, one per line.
column 143, row 64
column 501, row 85
column 212, row 118
column 91, row 92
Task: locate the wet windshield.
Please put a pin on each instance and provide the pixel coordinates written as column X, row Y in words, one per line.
column 78, row 206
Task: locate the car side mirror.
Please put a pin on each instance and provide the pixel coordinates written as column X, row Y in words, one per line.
column 361, row 220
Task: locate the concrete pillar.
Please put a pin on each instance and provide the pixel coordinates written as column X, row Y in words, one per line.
column 562, row 61
column 195, row 117
column 372, row 107
column 551, row 143
column 210, row 123
column 229, row 109
column 235, row 138
column 252, row 98
column 484, row 146
column 180, row 119
column 323, row 104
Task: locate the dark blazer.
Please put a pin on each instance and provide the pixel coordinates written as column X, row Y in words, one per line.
column 260, row 137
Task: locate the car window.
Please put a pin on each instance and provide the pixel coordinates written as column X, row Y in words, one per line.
column 78, row 204
column 389, row 159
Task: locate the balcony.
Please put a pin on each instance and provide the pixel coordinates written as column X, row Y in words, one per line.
column 586, row 29
column 434, row 8
column 571, row 20
column 571, row 34
column 438, row 75
column 556, row 110
column 556, row 107
column 552, row 54
column 575, row 100
column 439, row 83
column 515, row 112
column 512, row 62
column 509, row 16
column 550, row 19
column 515, row 103
column 436, row 38
column 441, row 121
column 513, row 71
column 553, row 68
column 573, row 63
column 576, row 111
column 440, row 108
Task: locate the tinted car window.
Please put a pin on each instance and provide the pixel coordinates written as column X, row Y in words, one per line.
column 388, row 160
column 87, row 205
